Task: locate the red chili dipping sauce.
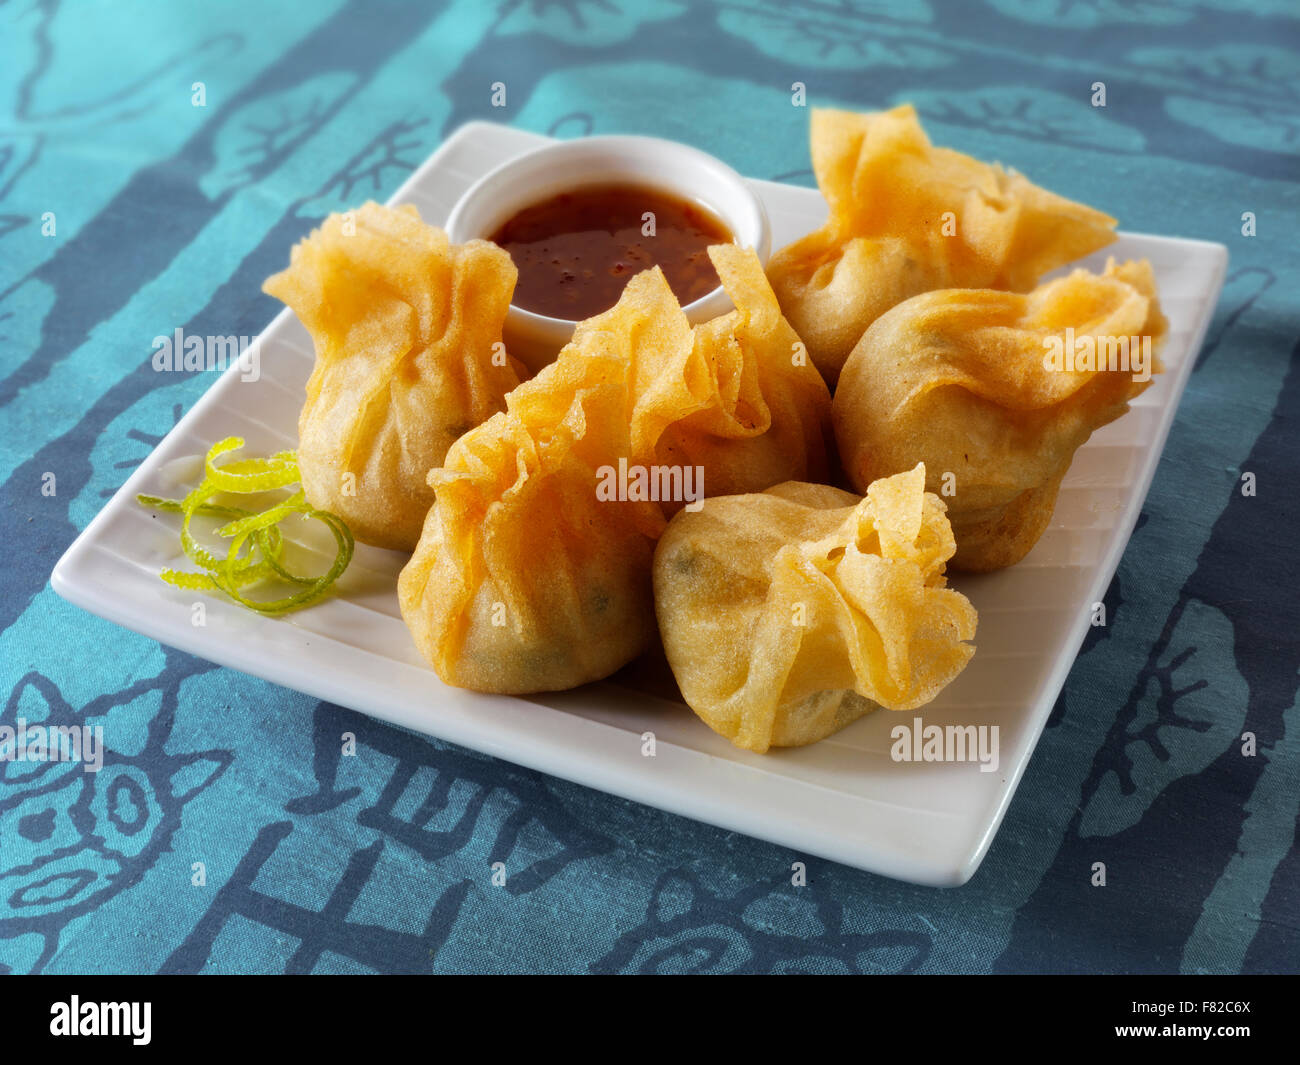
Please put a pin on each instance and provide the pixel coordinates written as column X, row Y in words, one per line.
column 577, row 250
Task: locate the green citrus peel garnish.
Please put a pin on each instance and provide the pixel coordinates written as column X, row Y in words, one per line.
column 256, row 548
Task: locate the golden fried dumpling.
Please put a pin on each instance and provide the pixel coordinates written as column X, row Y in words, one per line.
column 523, row 580
column 905, row 218
column 533, row 572
column 994, row 392
column 788, row 614
column 737, row 396
column 407, row 331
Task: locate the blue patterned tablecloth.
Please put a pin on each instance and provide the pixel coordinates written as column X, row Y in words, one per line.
column 127, row 211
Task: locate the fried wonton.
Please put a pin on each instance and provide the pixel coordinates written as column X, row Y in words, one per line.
column 407, row 331
column 905, row 218
column 790, row 613
column 739, row 398
column 533, row 572
column 523, row 580
column 996, row 391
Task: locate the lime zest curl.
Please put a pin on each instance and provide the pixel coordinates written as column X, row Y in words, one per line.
column 256, row 548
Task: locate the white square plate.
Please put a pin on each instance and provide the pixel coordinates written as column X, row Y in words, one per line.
column 843, row 798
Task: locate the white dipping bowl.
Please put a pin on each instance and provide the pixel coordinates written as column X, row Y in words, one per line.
column 685, row 172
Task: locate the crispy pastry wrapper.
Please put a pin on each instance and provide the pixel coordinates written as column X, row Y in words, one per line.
column 957, row 379
column 905, row 218
column 525, row 579
column 405, row 326
column 736, row 395
column 790, row 613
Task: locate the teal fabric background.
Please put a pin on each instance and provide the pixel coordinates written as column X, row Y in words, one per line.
column 170, row 215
